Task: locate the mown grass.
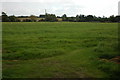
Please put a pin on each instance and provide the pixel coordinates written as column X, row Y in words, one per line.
column 59, row 49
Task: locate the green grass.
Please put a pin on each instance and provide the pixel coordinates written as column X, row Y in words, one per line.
column 59, row 49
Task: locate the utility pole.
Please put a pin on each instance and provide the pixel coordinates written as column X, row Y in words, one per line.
column 45, row 12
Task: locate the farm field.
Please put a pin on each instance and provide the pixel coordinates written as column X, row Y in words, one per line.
column 60, row 50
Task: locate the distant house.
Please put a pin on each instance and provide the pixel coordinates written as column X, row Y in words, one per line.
column 29, row 19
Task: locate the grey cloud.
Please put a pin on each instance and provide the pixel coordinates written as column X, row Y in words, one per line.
column 60, row 7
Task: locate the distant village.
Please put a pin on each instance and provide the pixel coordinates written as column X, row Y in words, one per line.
column 35, row 18
column 53, row 18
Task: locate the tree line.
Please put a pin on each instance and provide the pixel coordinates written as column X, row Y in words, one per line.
column 54, row 18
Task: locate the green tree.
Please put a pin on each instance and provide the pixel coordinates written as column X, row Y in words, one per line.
column 71, row 19
column 33, row 18
column 112, row 18
column 90, row 18
column 82, row 18
column 117, row 18
column 5, row 17
column 77, row 18
column 12, row 18
column 50, row 17
column 64, row 17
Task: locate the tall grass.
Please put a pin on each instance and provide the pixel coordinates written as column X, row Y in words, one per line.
column 79, row 44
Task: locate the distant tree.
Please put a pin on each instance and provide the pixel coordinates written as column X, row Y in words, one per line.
column 104, row 19
column 95, row 18
column 90, row 18
column 58, row 17
column 77, row 19
column 12, row 18
column 33, row 18
column 71, row 19
column 64, row 17
column 23, row 16
column 5, row 17
column 112, row 18
column 82, row 18
column 42, row 16
column 50, row 17
column 117, row 18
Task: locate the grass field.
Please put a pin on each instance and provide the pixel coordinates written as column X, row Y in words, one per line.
column 60, row 50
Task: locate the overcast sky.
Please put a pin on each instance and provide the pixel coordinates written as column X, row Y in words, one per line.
column 60, row 7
